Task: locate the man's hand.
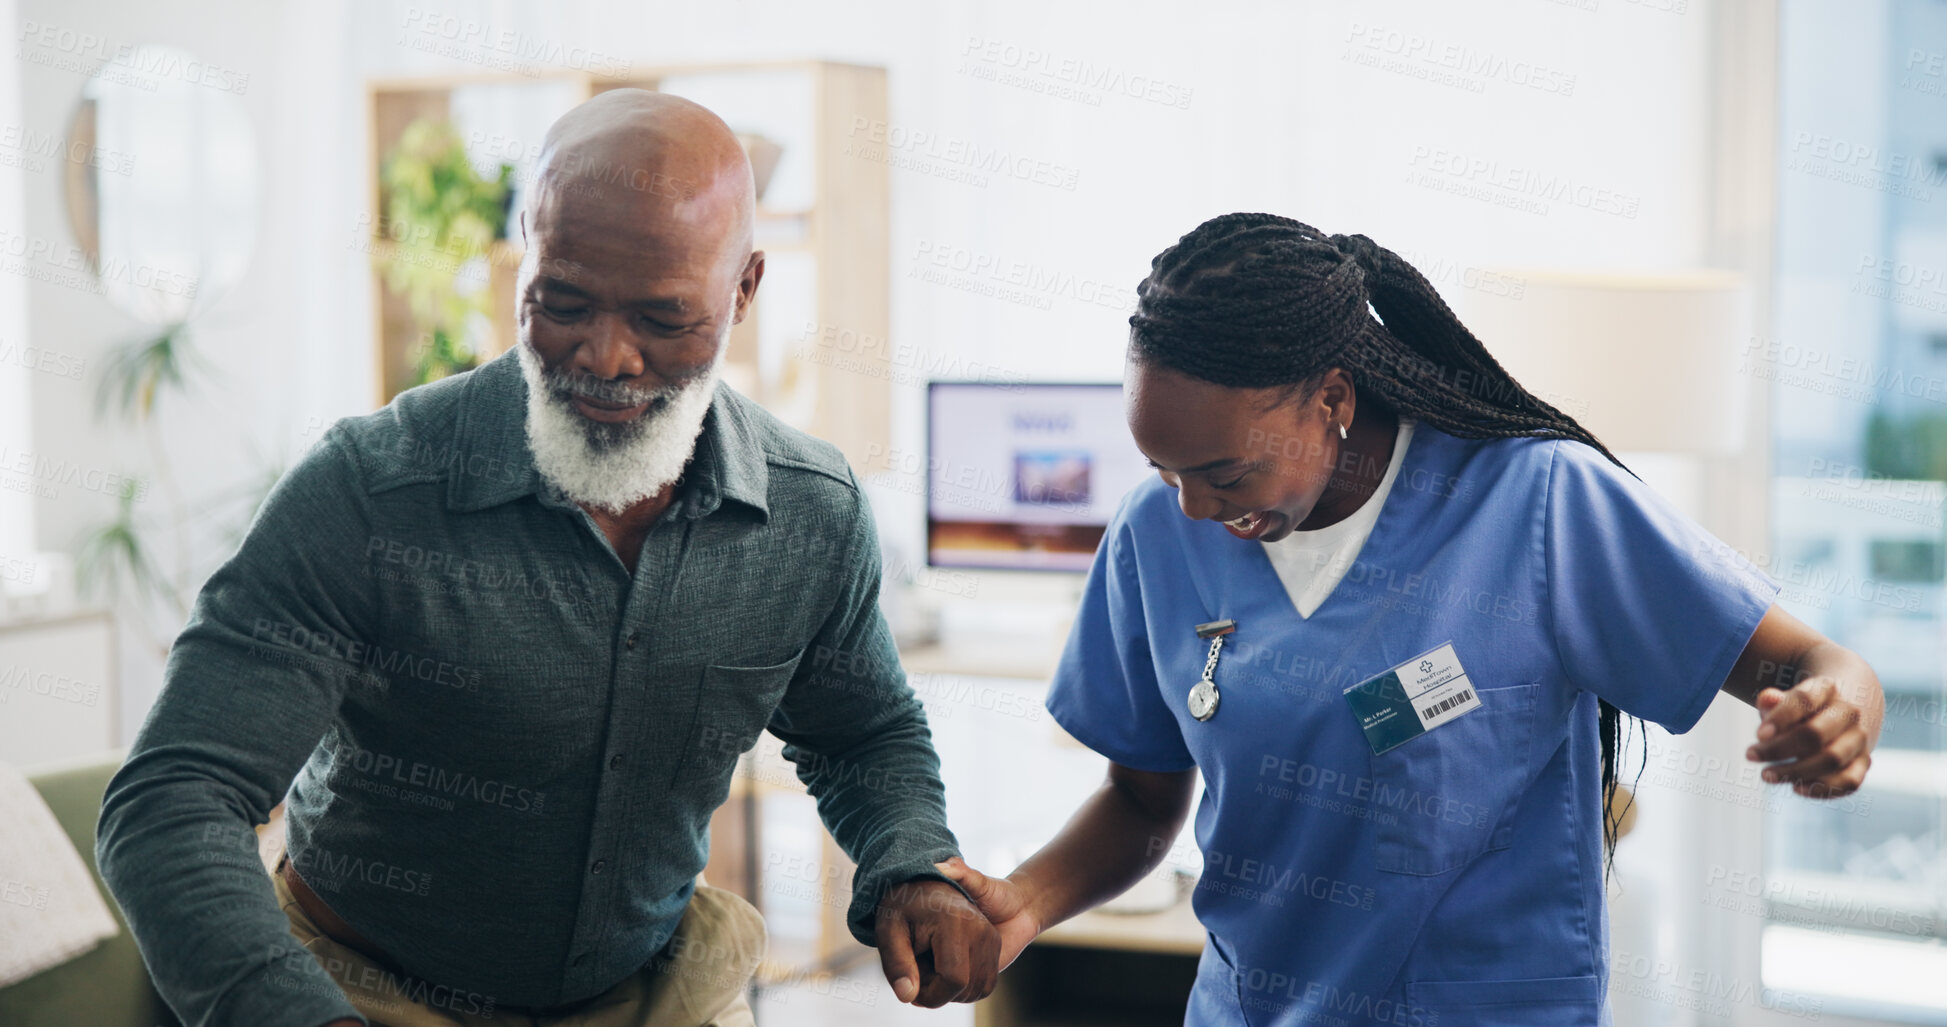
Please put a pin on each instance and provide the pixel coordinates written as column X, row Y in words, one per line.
column 935, row 946
column 1001, row 901
column 1814, row 738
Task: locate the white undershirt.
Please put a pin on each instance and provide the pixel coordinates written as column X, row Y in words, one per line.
column 1310, row 563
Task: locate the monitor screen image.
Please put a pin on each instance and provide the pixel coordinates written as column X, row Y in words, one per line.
column 1057, row 477
column 1025, row 476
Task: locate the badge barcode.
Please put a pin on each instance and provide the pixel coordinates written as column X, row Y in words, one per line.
column 1448, row 703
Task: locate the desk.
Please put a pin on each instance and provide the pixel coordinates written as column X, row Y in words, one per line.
column 1174, row 931
column 1101, row 969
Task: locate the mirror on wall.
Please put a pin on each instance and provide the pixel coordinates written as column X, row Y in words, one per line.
column 166, row 203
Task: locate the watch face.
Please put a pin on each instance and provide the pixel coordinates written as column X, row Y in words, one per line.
column 1203, row 699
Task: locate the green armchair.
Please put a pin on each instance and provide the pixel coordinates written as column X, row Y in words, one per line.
column 107, row 986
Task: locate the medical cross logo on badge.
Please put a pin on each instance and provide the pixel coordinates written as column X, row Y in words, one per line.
column 1411, row 699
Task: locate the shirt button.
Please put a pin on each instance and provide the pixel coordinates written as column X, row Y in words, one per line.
column 600, row 865
column 615, row 763
column 629, row 643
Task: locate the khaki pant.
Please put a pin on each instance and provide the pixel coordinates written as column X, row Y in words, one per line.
column 700, row 980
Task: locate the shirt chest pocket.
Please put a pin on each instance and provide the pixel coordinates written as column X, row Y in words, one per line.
column 733, row 707
column 1449, row 795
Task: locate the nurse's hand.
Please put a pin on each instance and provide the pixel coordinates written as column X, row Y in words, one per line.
column 935, row 946
column 1001, row 901
column 1814, row 738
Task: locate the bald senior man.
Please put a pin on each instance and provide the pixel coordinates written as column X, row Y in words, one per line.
column 499, row 645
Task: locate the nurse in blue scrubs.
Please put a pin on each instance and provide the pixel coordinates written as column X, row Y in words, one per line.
column 1395, row 609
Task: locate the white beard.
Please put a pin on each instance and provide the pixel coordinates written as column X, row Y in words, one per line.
column 612, row 466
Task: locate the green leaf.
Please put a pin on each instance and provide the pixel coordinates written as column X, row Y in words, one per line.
column 136, row 372
column 441, row 215
column 115, row 553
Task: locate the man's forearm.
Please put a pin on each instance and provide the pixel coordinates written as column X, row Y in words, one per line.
column 883, row 801
column 182, row 862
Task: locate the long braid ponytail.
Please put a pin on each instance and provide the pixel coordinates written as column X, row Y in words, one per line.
column 1262, row 301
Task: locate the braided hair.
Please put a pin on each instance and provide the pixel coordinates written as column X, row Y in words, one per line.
column 1261, row 301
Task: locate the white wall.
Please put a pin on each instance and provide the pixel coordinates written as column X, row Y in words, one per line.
column 284, row 345
column 16, row 376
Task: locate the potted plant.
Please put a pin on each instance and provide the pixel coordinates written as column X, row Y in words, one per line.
column 442, row 218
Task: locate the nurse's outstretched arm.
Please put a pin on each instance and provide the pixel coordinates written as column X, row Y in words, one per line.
column 1118, row 835
column 1821, row 706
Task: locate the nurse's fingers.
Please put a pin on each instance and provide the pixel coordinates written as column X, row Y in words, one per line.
column 1836, row 755
column 976, row 884
column 1841, row 754
column 1812, row 768
column 1839, row 785
column 1809, row 736
column 1797, row 743
column 1793, row 705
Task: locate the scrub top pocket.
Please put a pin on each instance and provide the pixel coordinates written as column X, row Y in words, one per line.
column 1450, row 793
column 1215, row 1000
column 1541, row 1002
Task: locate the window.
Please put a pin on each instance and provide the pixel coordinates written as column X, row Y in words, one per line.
column 1855, row 891
column 1905, row 560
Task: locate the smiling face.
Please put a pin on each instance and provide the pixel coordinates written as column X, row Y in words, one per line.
column 638, row 261
column 1259, row 460
column 631, row 289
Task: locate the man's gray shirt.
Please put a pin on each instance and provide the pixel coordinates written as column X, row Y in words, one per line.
column 506, row 748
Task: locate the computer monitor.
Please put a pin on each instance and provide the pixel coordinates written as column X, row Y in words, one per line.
column 1024, row 476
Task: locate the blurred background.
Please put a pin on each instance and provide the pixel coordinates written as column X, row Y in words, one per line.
column 1715, row 231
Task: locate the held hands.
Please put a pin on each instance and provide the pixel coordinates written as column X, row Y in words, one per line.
column 965, row 946
column 1001, row 901
column 1814, row 738
column 935, row 946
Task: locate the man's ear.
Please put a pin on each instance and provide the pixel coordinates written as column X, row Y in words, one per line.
column 747, row 284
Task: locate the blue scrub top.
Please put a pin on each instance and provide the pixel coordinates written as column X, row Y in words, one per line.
column 1456, row 879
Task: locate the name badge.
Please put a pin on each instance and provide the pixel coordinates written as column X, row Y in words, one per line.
column 1411, row 699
